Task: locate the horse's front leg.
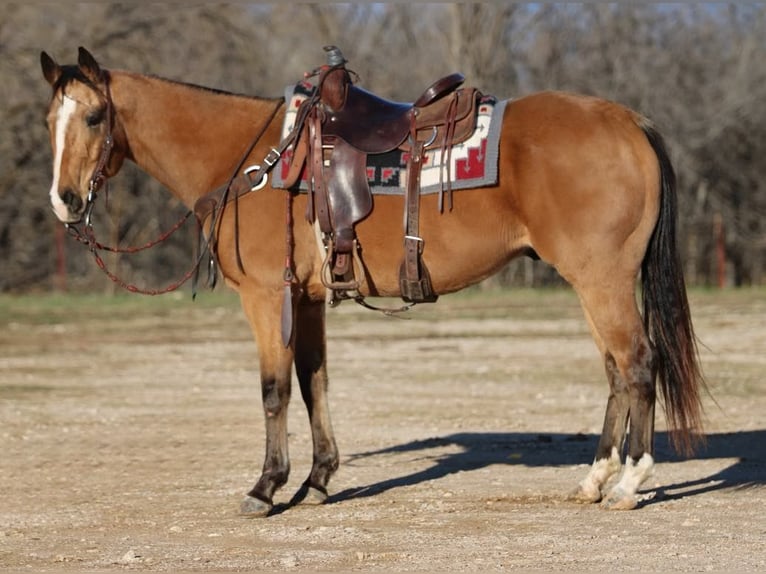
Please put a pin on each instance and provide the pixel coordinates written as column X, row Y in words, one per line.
column 263, row 310
column 311, row 368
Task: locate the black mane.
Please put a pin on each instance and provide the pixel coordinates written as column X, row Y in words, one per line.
column 72, row 73
column 199, row 87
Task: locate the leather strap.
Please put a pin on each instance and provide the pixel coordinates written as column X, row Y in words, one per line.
column 412, row 241
column 446, row 151
column 414, row 280
column 316, row 182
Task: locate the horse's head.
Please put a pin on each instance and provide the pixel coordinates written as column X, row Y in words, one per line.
column 86, row 142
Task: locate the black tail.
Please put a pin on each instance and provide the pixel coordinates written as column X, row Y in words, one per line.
column 666, row 314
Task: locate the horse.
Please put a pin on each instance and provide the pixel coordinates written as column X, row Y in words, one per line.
column 584, row 184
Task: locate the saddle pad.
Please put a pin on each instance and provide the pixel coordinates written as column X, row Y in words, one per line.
column 473, row 162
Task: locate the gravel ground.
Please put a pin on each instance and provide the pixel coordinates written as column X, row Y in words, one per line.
column 129, row 438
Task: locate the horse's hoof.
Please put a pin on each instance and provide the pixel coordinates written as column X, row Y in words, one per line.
column 252, row 507
column 585, row 494
column 619, row 500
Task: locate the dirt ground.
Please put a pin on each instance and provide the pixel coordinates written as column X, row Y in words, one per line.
column 130, row 435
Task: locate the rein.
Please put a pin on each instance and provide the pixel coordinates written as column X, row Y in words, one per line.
column 219, row 205
column 87, row 237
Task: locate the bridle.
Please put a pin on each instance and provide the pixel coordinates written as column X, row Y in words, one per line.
column 99, row 178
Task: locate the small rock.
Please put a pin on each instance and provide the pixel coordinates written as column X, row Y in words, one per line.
column 130, row 557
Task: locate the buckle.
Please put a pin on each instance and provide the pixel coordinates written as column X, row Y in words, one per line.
column 272, row 157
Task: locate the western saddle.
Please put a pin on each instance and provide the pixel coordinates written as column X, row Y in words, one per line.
column 334, row 132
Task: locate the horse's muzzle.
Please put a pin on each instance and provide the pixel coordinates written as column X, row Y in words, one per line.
column 73, row 201
column 73, row 207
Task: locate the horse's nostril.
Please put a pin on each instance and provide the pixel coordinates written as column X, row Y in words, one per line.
column 72, row 200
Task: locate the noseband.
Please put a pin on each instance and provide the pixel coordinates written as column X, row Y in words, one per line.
column 99, row 178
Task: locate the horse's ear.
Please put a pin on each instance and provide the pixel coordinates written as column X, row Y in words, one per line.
column 89, row 66
column 51, row 70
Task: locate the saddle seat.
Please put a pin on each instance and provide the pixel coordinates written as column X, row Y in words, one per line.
column 368, row 122
column 376, row 125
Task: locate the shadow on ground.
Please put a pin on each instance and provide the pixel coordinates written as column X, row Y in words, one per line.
column 480, row 450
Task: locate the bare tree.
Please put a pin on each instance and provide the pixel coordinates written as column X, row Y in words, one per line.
column 696, row 70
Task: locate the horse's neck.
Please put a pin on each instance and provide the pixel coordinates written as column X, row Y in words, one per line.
column 188, row 138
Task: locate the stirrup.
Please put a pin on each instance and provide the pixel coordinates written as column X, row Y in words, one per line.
column 357, row 270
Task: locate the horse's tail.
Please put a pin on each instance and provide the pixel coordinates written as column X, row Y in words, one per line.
column 666, row 314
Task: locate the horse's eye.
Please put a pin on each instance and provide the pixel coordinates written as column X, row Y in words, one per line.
column 95, row 117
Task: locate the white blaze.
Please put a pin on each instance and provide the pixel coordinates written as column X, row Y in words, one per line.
column 63, row 115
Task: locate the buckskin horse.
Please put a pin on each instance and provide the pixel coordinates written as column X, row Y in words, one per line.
column 584, row 184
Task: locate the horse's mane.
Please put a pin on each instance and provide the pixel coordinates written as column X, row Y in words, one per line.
column 201, row 88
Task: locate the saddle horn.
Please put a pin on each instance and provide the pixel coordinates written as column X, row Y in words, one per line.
column 334, row 56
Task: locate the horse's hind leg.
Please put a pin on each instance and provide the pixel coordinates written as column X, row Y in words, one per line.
column 608, row 453
column 311, row 368
column 263, row 313
column 628, row 359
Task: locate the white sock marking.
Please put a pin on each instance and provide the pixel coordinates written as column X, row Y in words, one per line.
column 635, row 472
column 600, row 472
